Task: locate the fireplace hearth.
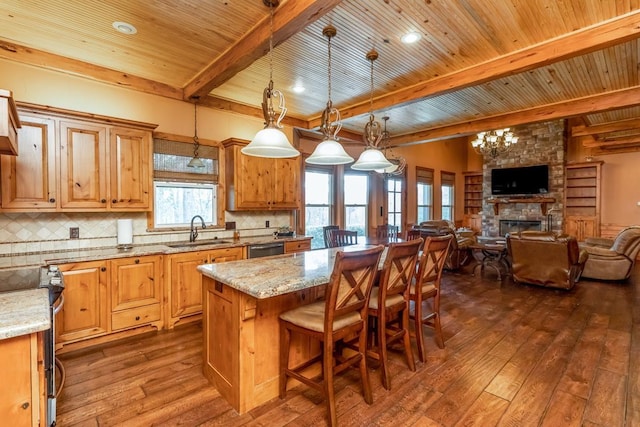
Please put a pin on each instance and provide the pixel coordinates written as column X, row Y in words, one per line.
column 516, row 225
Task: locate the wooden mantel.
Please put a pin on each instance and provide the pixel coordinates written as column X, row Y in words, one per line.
column 506, row 200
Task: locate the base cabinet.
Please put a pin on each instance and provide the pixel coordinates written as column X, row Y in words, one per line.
column 22, row 395
column 295, row 246
column 581, row 227
column 185, row 287
column 109, row 296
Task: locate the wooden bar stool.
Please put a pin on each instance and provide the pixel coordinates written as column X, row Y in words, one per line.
column 426, row 286
column 389, row 305
column 340, row 319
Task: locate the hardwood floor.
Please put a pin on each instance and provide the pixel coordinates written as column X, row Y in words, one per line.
column 515, row 355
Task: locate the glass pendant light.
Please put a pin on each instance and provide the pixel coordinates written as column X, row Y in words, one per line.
column 195, row 162
column 271, row 141
column 371, row 158
column 330, row 151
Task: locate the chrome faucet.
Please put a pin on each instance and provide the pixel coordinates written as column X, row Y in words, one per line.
column 194, row 230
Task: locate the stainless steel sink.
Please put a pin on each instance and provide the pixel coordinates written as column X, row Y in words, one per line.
column 198, row 243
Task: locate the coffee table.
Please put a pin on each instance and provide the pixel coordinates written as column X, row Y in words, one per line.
column 491, row 255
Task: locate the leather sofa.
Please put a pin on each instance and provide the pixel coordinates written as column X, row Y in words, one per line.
column 459, row 252
column 612, row 259
column 545, row 259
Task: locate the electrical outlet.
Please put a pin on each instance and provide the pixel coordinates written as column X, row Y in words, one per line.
column 74, row 233
column 266, row 224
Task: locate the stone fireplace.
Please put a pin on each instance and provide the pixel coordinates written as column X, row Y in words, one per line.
column 538, row 143
column 514, row 226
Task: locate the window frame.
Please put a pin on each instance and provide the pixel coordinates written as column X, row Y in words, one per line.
column 448, row 179
column 366, row 205
column 331, row 197
column 424, row 176
column 402, row 180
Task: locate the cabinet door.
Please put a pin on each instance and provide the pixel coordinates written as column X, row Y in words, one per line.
column 130, row 177
column 295, row 246
column 83, row 167
column 286, row 184
column 254, row 183
column 29, row 180
column 85, row 312
column 224, row 255
column 186, row 283
column 19, row 394
column 135, row 282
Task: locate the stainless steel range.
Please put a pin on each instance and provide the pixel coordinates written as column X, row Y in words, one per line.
column 50, row 278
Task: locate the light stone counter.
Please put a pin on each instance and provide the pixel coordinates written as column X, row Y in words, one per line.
column 24, row 312
column 278, row 275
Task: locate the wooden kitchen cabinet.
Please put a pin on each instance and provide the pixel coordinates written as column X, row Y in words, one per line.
column 75, row 162
column 295, row 246
column 258, row 183
column 22, row 395
column 9, row 124
column 28, row 181
column 85, row 312
column 136, row 291
column 185, row 287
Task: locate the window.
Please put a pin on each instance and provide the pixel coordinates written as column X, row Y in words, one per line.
column 180, row 192
column 356, row 202
column 424, row 179
column 394, row 202
column 448, row 183
column 318, row 208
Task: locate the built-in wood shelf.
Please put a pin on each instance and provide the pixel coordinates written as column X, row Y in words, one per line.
column 504, row 201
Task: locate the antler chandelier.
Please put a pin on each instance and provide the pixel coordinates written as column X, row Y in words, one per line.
column 494, row 142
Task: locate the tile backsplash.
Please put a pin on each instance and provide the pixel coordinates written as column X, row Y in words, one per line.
column 23, row 233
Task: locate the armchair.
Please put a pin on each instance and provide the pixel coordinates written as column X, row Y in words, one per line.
column 612, row 259
column 459, row 252
column 545, row 259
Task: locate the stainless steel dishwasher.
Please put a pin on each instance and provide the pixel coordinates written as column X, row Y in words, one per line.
column 265, row 249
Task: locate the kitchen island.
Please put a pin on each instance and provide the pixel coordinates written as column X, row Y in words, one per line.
column 241, row 304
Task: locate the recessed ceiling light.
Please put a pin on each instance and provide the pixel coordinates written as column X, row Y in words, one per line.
column 124, row 27
column 298, row 88
column 411, row 37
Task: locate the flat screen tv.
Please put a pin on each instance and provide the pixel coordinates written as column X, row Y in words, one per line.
column 522, row 180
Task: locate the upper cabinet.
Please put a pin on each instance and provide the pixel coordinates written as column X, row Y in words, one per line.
column 68, row 163
column 258, row 183
column 9, row 124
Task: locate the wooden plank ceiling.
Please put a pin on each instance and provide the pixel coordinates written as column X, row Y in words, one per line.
column 479, row 65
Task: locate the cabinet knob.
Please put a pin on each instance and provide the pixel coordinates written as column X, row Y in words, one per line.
column 103, row 201
column 137, row 317
column 114, row 201
column 52, row 200
column 137, row 261
column 103, row 269
column 25, row 405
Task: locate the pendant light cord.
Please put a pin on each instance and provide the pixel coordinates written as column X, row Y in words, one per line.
column 271, row 46
column 196, row 143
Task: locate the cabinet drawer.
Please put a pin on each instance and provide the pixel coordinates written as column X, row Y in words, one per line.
column 135, row 316
column 297, row 246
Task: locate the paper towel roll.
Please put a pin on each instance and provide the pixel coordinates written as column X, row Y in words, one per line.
column 125, row 232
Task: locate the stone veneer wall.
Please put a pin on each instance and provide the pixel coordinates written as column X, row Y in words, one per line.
column 29, row 233
column 539, row 143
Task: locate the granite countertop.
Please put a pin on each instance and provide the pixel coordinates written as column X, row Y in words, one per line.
column 24, row 312
column 80, row 255
column 277, row 275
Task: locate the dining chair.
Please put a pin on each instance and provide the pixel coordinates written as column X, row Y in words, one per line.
column 343, row 238
column 413, row 234
column 387, row 231
column 389, row 305
column 340, row 319
column 425, row 287
column 326, row 233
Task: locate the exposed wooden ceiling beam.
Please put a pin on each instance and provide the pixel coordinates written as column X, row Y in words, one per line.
column 590, row 104
column 599, row 36
column 618, row 126
column 612, row 143
column 247, row 110
column 39, row 58
column 288, row 19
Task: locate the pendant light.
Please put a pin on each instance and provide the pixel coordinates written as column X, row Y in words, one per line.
column 330, row 151
column 397, row 164
column 271, row 141
column 195, row 162
column 371, row 158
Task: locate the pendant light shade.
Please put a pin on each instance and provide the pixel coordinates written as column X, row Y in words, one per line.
column 271, row 141
column 370, row 160
column 330, row 151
